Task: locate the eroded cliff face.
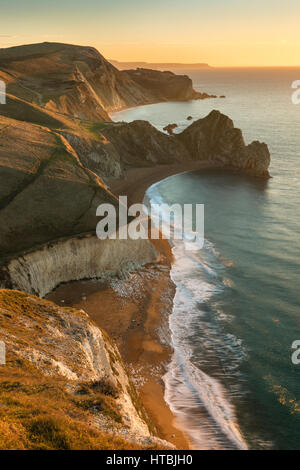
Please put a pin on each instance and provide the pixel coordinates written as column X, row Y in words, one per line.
column 85, row 257
column 65, row 382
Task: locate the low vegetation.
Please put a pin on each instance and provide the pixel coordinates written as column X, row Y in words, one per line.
column 40, row 407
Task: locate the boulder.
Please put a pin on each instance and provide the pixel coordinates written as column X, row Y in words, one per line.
column 170, row 128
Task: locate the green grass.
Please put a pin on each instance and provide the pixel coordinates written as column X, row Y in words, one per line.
column 95, row 128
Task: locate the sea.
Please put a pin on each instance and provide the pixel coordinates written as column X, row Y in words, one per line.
column 231, row 382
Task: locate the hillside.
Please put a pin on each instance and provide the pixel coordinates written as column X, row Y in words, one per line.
column 78, row 81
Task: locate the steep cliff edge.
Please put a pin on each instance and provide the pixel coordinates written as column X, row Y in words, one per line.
column 78, row 81
column 64, row 385
column 41, row 270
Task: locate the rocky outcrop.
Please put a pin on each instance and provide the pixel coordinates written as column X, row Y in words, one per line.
column 58, row 359
column 55, row 166
column 215, row 138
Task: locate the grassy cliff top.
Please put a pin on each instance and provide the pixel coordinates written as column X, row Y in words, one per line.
column 44, row 406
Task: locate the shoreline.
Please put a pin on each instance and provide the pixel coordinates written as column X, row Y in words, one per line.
column 136, row 181
column 134, row 312
column 127, row 108
column 139, row 323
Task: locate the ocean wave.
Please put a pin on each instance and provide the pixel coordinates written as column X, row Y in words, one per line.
column 198, row 399
column 202, row 409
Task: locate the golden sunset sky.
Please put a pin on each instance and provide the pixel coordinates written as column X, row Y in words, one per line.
column 220, row 32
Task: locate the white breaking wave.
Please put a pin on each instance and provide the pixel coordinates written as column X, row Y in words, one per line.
column 201, row 407
column 199, row 401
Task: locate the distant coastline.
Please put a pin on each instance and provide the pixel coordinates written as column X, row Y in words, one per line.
column 159, row 65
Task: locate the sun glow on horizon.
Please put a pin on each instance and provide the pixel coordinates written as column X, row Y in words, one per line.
column 220, row 33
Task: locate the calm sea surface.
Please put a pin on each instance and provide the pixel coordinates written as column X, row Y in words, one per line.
column 231, row 382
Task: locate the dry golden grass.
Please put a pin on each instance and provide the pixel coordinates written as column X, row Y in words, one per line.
column 49, row 412
column 37, row 412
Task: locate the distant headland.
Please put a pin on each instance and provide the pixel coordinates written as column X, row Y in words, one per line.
column 159, row 65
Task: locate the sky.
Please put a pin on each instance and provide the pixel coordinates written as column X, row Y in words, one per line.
column 219, row 32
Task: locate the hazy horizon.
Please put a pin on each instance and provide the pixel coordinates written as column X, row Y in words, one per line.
column 222, row 34
column 142, row 60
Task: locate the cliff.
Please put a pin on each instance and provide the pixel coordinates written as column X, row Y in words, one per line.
column 64, row 385
column 42, row 269
column 78, row 81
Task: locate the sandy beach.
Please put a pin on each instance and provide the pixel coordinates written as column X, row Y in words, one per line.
column 136, row 181
column 135, row 311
